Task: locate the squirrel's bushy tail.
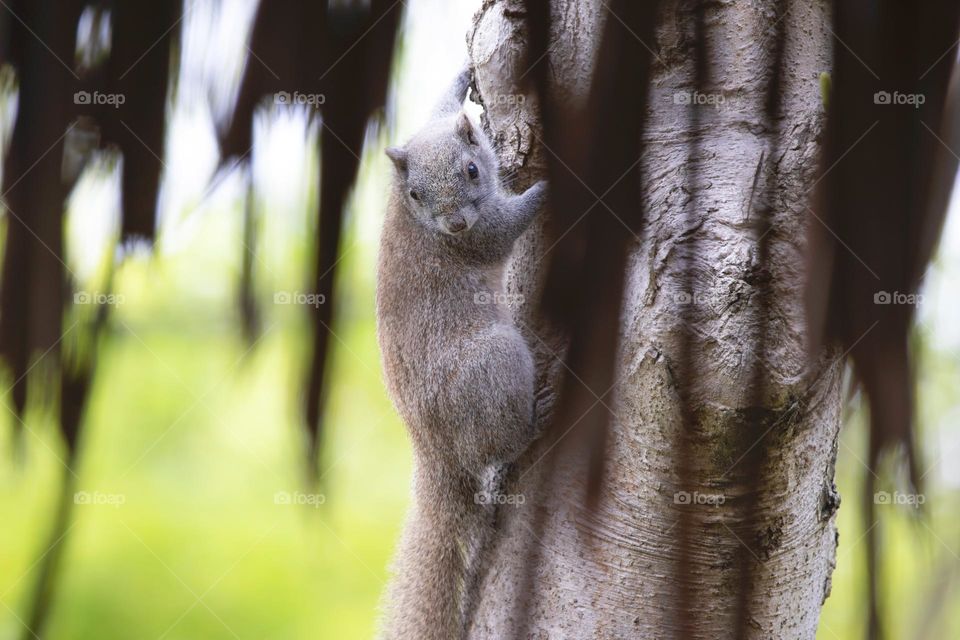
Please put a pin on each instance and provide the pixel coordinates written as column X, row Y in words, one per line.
column 425, row 599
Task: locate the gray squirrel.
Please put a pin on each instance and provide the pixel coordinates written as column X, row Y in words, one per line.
column 457, row 368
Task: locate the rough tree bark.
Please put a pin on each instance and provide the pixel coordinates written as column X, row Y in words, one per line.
column 611, row 573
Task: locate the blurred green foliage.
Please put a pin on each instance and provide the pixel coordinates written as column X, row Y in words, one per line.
column 192, row 452
column 920, row 587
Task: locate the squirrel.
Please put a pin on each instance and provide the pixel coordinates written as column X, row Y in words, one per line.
column 458, row 370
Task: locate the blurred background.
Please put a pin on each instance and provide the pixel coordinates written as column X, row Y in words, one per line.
column 191, row 518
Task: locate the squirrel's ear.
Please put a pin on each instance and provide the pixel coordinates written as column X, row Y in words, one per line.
column 399, row 157
column 465, row 128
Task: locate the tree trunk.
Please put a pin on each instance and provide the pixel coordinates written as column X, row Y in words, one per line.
column 611, row 573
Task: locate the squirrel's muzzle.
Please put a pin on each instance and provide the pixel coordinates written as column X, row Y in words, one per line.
column 454, row 223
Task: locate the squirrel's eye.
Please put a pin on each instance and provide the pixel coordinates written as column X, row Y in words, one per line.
column 473, row 172
column 413, row 194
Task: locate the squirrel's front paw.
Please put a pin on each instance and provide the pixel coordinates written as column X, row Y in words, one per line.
column 538, row 193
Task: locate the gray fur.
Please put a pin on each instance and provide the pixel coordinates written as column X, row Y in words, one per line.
column 452, row 100
column 457, row 369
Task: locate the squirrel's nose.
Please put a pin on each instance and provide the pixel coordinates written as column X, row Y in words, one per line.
column 457, row 224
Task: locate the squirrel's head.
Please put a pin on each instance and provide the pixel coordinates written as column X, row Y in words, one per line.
column 446, row 173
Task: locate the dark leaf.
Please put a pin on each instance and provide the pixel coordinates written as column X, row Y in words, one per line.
column 882, row 205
